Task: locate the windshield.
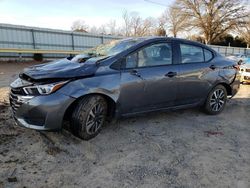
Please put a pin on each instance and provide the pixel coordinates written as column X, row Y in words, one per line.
column 109, row 49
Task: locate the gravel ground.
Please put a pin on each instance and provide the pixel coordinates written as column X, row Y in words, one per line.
column 184, row 148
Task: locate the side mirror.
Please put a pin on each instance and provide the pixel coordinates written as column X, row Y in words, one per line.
column 70, row 57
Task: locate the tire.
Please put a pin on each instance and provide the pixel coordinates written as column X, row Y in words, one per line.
column 89, row 116
column 216, row 100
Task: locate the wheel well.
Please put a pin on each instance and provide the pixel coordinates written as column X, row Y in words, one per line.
column 228, row 88
column 111, row 106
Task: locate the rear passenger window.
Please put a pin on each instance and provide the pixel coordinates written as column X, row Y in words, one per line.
column 208, row 55
column 191, row 54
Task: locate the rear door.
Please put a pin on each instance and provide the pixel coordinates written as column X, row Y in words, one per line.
column 197, row 73
column 148, row 81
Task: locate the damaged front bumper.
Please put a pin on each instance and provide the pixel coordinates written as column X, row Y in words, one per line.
column 40, row 112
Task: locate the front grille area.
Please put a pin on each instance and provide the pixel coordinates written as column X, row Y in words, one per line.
column 247, row 70
column 14, row 102
column 33, row 115
column 18, row 91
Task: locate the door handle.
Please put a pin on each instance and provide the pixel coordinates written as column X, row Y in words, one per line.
column 135, row 72
column 212, row 67
column 171, row 74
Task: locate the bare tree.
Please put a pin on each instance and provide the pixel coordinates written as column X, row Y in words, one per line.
column 213, row 18
column 134, row 25
column 197, row 38
column 94, row 30
column 108, row 28
column 136, row 22
column 160, row 31
column 148, row 27
column 80, row 26
column 102, row 30
column 244, row 29
column 160, row 28
column 111, row 27
column 175, row 21
column 127, row 23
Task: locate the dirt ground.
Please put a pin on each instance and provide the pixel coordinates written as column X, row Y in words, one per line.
column 185, row 148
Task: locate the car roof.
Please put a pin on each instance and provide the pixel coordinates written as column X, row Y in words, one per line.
column 151, row 38
column 159, row 38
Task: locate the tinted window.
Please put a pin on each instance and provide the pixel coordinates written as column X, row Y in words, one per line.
column 131, row 61
column 191, row 54
column 157, row 54
column 208, row 55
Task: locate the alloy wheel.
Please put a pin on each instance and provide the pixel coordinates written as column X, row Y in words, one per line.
column 217, row 100
column 95, row 119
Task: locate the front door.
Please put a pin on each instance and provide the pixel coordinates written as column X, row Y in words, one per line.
column 148, row 81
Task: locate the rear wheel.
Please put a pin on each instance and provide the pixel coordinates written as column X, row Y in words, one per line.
column 89, row 116
column 216, row 100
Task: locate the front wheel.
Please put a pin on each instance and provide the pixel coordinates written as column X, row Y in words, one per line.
column 89, row 116
column 216, row 100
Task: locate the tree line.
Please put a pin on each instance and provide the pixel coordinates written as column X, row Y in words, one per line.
column 224, row 22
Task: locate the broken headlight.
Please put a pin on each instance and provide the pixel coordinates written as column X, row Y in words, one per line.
column 43, row 89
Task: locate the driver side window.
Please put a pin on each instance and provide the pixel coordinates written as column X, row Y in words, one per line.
column 154, row 55
column 131, row 61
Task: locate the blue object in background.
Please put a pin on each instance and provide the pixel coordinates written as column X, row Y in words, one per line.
column 248, row 60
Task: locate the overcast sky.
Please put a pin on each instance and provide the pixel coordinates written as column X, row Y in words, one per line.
column 60, row 14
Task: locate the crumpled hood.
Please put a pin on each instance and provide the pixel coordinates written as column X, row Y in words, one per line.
column 63, row 68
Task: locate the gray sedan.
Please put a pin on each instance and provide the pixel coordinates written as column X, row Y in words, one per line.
column 122, row 78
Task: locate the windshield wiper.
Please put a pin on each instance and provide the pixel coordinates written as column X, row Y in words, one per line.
column 91, row 54
column 101, row 54
column 96, row 54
